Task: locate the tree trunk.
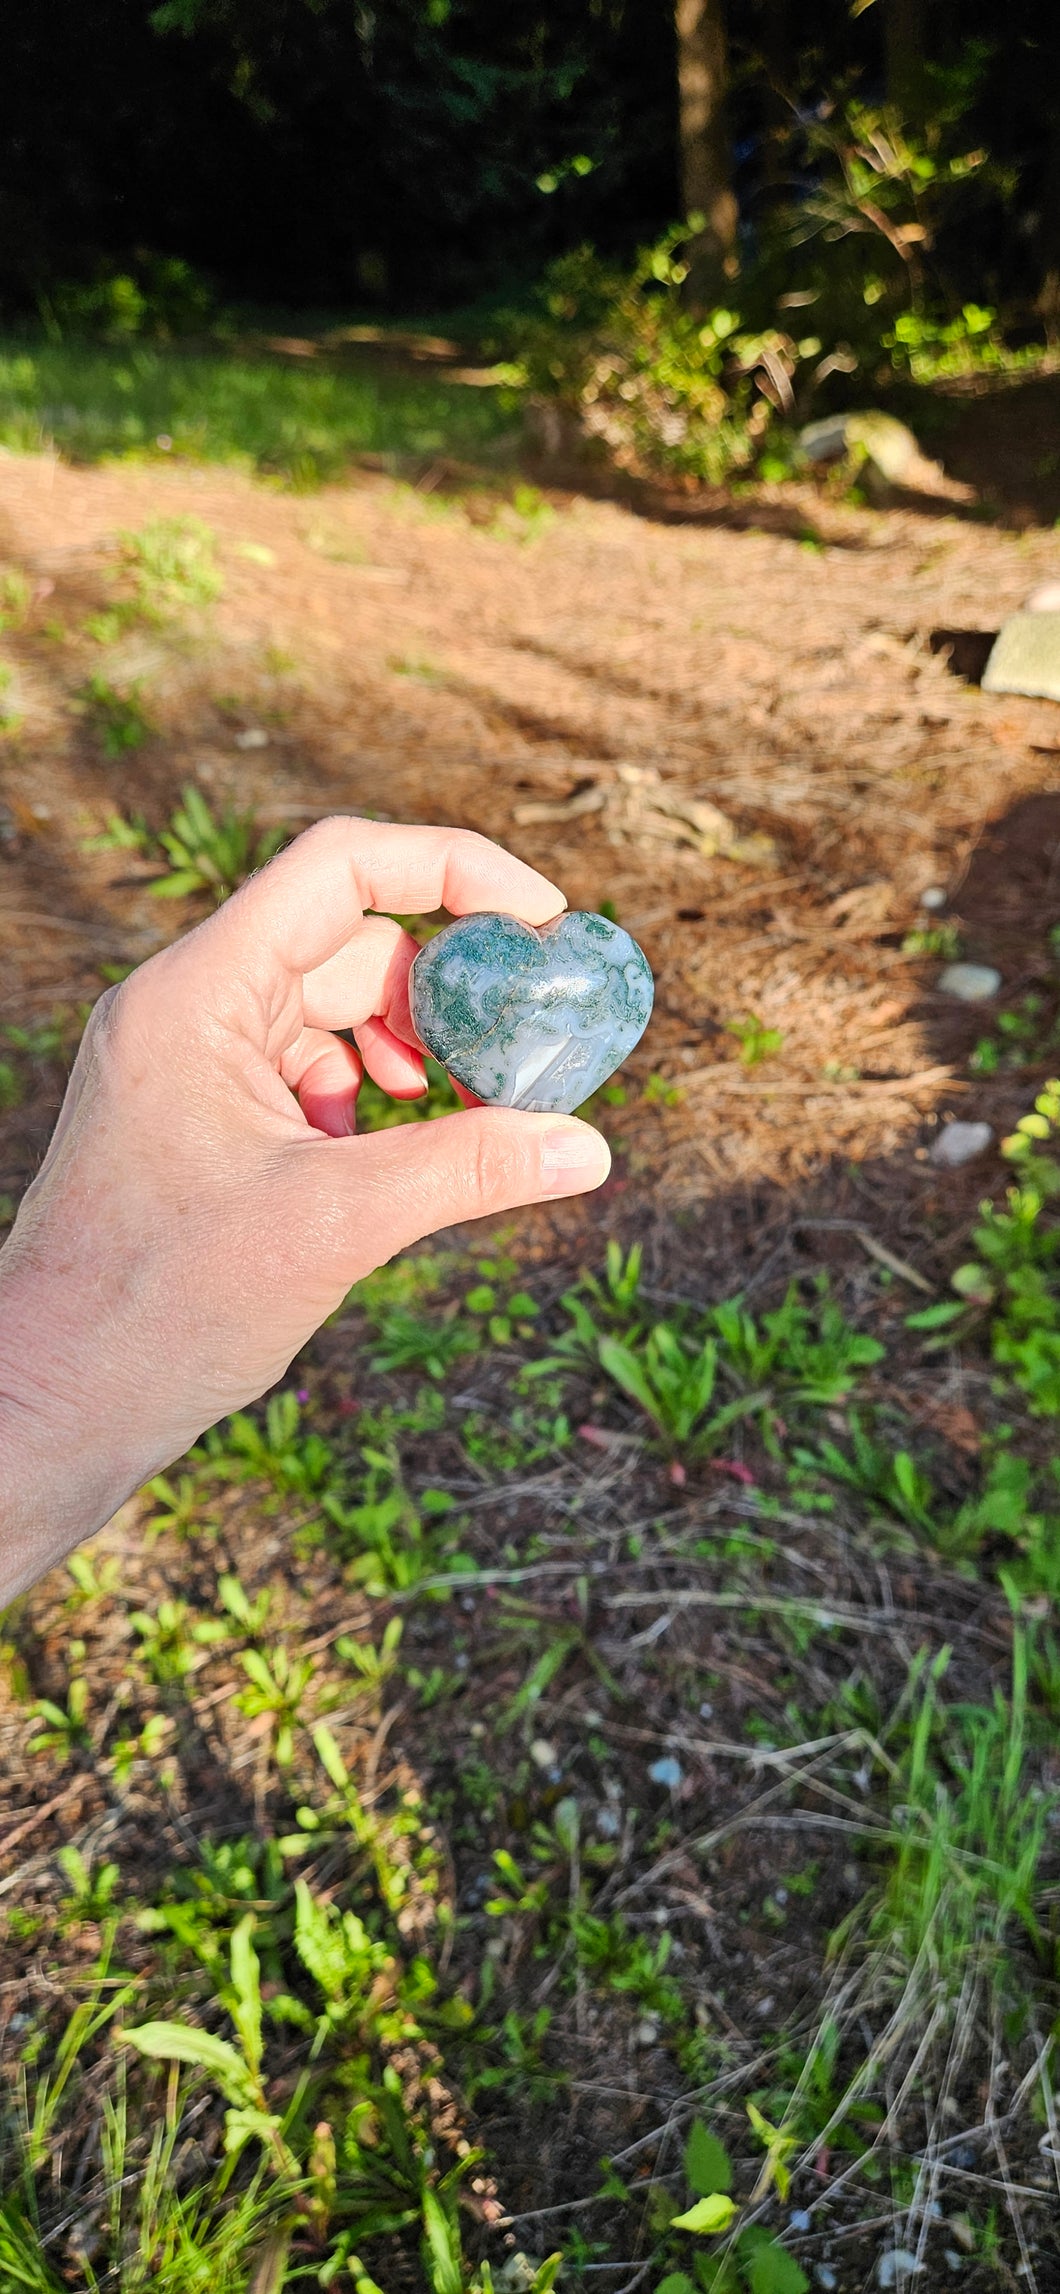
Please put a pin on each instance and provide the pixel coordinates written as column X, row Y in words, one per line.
column 706, row 183
column 776, row 108
column 903, row 33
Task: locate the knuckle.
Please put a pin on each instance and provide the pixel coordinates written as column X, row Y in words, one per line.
column 497, row 1165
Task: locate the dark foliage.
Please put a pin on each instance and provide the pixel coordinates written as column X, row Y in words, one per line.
column 411, row 153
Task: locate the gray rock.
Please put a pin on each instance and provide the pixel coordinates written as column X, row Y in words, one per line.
column 825, row 441
column 894, row 2267
column 882, row 439
column 959, row 1143
column 668, row 1772
column 1025, row 657
column 970, row 983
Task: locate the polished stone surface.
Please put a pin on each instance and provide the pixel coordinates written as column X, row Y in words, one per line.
column 532, row 1018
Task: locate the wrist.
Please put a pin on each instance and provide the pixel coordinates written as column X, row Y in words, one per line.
column 69, row 1455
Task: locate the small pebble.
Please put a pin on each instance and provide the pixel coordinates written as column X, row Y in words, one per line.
column 800, row 2220
column 668, row 1772
column 933, row 897
column 894, row 2267
column 959, row 1143
column 706, row 1712
column 646, row 2031
column 951, row 2256
column 608, row 1823
column 543, row 1754
column 970, row 983
column 252, row 738
column 825, row 2278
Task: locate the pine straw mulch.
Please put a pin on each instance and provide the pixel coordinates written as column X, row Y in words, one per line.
column 406, row 659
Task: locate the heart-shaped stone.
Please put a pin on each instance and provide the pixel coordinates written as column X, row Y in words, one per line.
column 531, row 1017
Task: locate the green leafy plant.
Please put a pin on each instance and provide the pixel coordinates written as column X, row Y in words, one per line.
column 171, row 1639
column 277, row 1694
column 392, row 1543
column 752, row 2261
column 1014, row 1276
column 756, row 1041
column 10, row 714
column 673, row 1382
column 171, row 567
column 118, row 719
column 277, row 1449
column 211, row 852
column 408, row 1340
column 811, row 1355
column 642, row 374
column 235, row 2068
column 940, row 940
column 890, row 1478
column 66, row 1731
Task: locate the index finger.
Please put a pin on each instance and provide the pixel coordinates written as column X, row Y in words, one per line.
column 309, row 901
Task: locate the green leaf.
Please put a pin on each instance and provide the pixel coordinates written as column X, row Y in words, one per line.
column 443, row 2245
column 176, row 886
column 179, row 2043
column 545, row 2278
column 772, row 2270
column 708, row 2167
column 246, row 1983
column 708, row 2216
column 676, row 2283
column 934, row 1317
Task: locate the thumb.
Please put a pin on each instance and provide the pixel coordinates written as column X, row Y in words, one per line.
column 387, row 1189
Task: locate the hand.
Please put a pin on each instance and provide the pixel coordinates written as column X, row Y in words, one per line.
column 204, row 1204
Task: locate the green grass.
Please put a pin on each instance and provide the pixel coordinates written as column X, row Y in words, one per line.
column 303, row 422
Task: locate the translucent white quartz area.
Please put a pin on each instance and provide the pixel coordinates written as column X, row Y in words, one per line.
column 532, row 1018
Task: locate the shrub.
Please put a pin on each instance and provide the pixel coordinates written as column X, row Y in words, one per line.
column 660, row 386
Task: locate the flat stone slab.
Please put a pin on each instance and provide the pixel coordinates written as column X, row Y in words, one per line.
column 1026, row 657
column 531, row 1018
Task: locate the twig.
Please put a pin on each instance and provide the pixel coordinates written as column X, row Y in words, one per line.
column 37, row 1815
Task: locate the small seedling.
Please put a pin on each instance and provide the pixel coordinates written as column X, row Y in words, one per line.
column 118, row 719
column 10, row 715
column 942, row 941
column 15, row 594
column 277, row 1693
column 171, row 565
column 658, row 1092
column 67, row 1728
column 209, row 852
column 170, row 1644
column 756, row 1041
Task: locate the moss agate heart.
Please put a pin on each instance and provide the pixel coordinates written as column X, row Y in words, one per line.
column 531, row 1017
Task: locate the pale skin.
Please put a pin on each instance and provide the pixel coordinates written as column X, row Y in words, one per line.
column 205, row 1201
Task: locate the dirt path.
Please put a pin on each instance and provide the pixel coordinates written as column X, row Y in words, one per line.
column 431, row 657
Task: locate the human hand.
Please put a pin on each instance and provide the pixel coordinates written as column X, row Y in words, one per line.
column 204, row 1203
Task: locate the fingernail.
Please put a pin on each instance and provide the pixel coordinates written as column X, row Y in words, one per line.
column 573, row 1160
